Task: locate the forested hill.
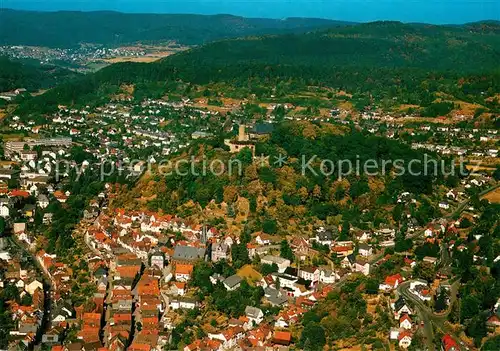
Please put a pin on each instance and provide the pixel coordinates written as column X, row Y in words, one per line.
column 374, row 45
column 69, row 29
column 383, row 60
column 31, row 76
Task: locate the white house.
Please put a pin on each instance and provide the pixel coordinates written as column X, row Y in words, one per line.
column 404, row 339
column 281, row 262
column 348, row 261
column 365, row 250
column 19, row 227
column 452, row 195
column 43, row 201
column 394, row 333
column 178, row 288
column 4, row 211
column 281, row 323
column 364, row 237
column 5, row 256
column 420, row 289
column 361, row 266
column 388, row 243
column 31, row 287
column 328, row 276
column 263, row 239
column 391, row 282
column 444, row 205
column 20, row 284
column 61, row 315
column 324, row 237
column 188, row 304
column 229, row 337
column 405, row 322
column 254, row 314
column 309, row 273
column 428, row 232
column 157, row 260
column 417, row 282
column 232, row 283
column 401, row 307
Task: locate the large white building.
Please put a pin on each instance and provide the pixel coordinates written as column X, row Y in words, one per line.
column 281, row 262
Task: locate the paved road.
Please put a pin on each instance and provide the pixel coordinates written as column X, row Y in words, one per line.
column 422, row 312
column 462, row 205
column 430, row 319
column 47, row 289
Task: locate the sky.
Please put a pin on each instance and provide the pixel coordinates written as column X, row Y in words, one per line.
column 429, row 11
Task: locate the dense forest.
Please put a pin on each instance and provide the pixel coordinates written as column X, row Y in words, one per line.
column 69, row 29
column 31, row 76
column 408, row 64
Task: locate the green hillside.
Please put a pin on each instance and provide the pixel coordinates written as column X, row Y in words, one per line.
column 383, row 61
column 31, row 76
column 289, row 195
column 69, row 29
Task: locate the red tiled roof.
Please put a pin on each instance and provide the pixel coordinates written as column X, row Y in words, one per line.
column 128, row 271
column 150, row 320
column 20, row 193
column 403, row 317
column 403, row 334
column 408, row 260
column 180, row 285
column 392, row 279
column 91, row 316
column 122, row 317
column 100, row 236
column 282, row 336
column 89, row 334
column 60, row 195
column 449, row 343
column 494, row 320
column 184, row 269
column 342, row 248
column 194, row 345
column 139, row 347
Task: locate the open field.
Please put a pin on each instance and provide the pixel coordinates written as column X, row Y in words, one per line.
column 493, row 197
column 39, row 92
column 405, row 107
column 447, row 120
column 487, row 164
column 472, row 167
column 12, row 137
column 145, row 59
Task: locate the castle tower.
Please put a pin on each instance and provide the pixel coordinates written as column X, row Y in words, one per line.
column 204, row 236
column 242, row 136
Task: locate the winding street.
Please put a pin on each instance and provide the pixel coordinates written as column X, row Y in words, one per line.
column 429, row 318
column 426, row 314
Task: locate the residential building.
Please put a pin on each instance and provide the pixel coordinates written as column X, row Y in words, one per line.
column 254, row 314
column 183, row 272
column 405, row 339
column 232, row 283
column 309, row 273
column 281, row 262
column 220, row 251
